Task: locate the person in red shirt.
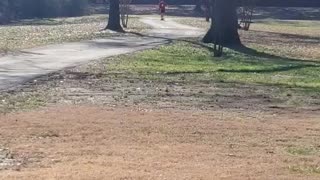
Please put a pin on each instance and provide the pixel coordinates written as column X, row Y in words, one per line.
column 162, row 8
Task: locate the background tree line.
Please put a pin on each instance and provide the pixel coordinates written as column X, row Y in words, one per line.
column 20, row 9
column 285, row 3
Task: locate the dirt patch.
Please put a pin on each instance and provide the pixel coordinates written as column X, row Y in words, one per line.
column 144, row 143
column 95, row 84
column 78, row 86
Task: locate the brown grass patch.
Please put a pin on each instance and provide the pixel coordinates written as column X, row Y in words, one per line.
column 143, row 143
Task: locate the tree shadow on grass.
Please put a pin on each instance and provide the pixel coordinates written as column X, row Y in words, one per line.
column 268, row 70
column 171, row 40
column 254, row 53
column 276, row 37
column 291, row 62
column 283, row 64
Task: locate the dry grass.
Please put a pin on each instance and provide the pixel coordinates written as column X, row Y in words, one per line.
column 297, row 27
column 182, row 73
column 143, row 143
column 290, row 38
column 293, row 39
column 33, row 33
column 228, row 130
column 194, row 22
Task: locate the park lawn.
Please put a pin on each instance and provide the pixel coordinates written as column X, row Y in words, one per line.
column 38, row 32
column 287, row 38
column 281, row 70
column 184, row 57
column 298, row 27
column 184, row 73
column 232, row 114
column 196, row 63
column 160, row 107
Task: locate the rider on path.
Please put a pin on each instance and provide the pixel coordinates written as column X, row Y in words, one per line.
column 162, row 8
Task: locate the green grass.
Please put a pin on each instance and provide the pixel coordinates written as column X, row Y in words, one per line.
column 303, row 151
column 10, row 103
column 286, row 38
column 187, row 58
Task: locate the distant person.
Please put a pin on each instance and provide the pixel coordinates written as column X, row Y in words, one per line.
column 162, row 8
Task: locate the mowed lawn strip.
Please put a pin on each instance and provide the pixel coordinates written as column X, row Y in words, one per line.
column 189, row 58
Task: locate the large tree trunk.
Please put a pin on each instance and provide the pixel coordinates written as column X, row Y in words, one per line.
column 224, row 24
column 114, row 16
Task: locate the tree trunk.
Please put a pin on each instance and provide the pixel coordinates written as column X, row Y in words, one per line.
column 224, row 24
column 208, row 10
column 114, row 16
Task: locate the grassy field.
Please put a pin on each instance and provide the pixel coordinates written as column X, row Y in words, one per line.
column 298, row 27
column 39, row 32
column 173, row 112
column 187, row 58
column 176, row 107
column 268, row 75
column 141, row 142
column 293, row 77
column 285, row 38
column 185, row 73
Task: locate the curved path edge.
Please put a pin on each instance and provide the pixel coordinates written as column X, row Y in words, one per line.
column 16, row 69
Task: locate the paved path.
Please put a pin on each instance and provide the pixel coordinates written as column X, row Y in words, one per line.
column 19, row 68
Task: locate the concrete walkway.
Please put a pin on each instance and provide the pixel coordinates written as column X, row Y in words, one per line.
column 28, row 64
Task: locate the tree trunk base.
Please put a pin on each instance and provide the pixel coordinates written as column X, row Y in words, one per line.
column 224, row 25
column 114, row 17
column 116, row 29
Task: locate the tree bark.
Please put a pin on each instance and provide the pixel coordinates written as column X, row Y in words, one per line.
column 114, row 16
column 224, row 24
column 208, row 10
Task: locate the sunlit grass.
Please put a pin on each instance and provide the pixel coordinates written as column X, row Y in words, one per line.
column 287, row 38
column 299, row 27
column 233, row 67
column 303, row 151
column 21, row 102
column 39, row 32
